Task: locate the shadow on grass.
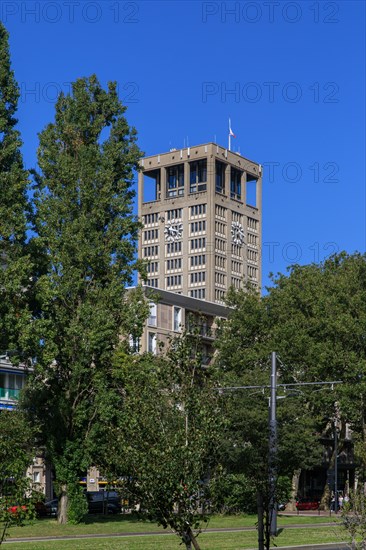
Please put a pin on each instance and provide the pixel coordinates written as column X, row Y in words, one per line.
column 116, row 518
column 89, row 519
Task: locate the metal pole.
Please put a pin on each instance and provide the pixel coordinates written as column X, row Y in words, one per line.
column 335, row 467
column 273, row 445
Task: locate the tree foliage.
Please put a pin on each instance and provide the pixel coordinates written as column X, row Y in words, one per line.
column 15, row 262
column 168, row 435
column 87, row 233
column 16, row 454
column 315, row 318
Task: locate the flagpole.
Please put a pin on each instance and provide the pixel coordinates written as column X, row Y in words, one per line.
column 230, row 134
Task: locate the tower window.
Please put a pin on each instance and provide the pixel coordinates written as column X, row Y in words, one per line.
column 198, row 176
column 220, row 177
column 235, row 183
column 175, row 181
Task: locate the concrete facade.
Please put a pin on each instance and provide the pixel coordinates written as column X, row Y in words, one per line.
column 202, row 213
column 170, row 313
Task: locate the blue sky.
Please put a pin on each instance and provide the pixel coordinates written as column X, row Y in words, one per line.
column 290, row 75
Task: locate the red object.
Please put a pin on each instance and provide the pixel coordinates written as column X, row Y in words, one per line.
column 16, row 509
column 307, row 504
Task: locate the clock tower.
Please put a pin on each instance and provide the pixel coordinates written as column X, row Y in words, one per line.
column 201, row 213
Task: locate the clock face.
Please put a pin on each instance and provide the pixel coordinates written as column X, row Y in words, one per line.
column 173, row 231
column 237, row 233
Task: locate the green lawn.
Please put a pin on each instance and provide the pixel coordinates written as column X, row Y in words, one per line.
column 107, row 525
column 126, row 524
column 208, row 541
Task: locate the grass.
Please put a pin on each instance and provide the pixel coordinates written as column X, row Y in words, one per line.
column 208, row 541
column 108, row 525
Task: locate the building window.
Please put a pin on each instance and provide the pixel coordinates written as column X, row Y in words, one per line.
column 199, row 293
column 151, row 321
column 152, row 282
column 252, row 239
column 198, row 227
column 219, row 296
column 174, row 248
column 220, row 262
column 237, row 250
column 151, row 219
column 220, row 212
column 152, row 267
column 252, row 256
column 251, row 195
column 175, row 181
column 220, row 228
column 198, row 277
column 198, row 261
column 220, row 245
column 134, row 343
column 177, row 318
column 174, row 264
column 236, row 267
column 10, row 385
column 36, row 477
column 252, row 272
column 220, row 279
column 236, row 283
column 151, row 345
column 198, row 210
column 235, row 183
column 198, row 244
column 236, row 217
column 150, row 251
column 174, row 214
column 220, row 177
column 198, row 176
column 174, row 280
column 151, row 186
column 151, row 235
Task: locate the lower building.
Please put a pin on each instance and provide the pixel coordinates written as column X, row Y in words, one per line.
column 12, row 380
column 171, row 313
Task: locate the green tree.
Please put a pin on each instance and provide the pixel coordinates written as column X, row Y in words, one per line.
column 16, row 454
column 15, row 263
column 87, row 232
column 315, row 318
column 168, row 435
column 244, row 345
column 318, row 319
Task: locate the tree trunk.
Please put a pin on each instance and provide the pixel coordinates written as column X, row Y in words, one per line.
column 291, row 506
column 4, row 531
column 63, row 505
column 260, row 521
column 194, row 540
column 189, row 539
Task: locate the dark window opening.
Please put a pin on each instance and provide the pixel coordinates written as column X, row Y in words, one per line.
column 198, row 176
column 235, row 183
column 251, row 190
column 220, row 177
column 175, row 181
column 151, row 186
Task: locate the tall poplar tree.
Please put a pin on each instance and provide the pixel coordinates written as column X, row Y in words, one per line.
column 15, row 266
column 86, row 228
